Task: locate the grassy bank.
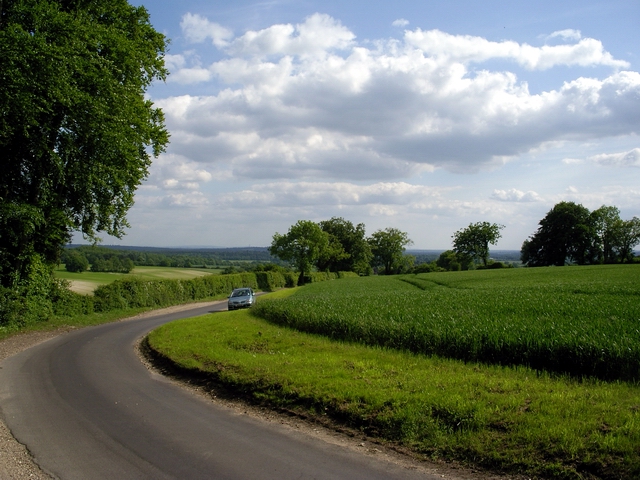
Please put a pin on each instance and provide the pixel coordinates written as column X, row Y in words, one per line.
column 510, row 418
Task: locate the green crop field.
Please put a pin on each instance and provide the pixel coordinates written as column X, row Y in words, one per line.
column 87, row 282
column 582, row 321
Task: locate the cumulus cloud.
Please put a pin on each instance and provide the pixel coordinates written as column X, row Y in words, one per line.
column 197, row 29
column 175, row 172
column 307, row 101
column 317, row 34
column 467, row 48
column 401, row 22
column 620, row 159
column 515, row 195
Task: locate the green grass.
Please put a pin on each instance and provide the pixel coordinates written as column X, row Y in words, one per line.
column 582, row 321
column 87, row 282
column 501, row 418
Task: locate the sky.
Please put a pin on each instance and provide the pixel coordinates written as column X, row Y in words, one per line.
column 419, row 115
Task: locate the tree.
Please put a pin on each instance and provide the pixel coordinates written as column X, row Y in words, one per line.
column 356, row 252
column 303, row 245
column 566, row 234
column 388, row 247
column 452, row 261
column 474, row 240
column 76, row 131
column 627, row 236
column 75, row 261
column 606, row 223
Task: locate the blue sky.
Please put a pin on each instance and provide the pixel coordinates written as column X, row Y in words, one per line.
column 418, row 115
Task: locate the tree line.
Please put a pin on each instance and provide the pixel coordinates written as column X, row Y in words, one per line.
column 104, row 259
column 570, row 233
column 338, row 245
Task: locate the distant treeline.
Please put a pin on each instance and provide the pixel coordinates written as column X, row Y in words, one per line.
column 124, row 259
column 119, row 259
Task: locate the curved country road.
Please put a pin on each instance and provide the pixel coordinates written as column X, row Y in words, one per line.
column 86, row 407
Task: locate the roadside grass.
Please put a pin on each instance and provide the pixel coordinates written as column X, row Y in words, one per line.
column 77, row 321
column 86, row 282
column 510, row 419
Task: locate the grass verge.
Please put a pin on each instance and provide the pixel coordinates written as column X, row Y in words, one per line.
column 509, row 419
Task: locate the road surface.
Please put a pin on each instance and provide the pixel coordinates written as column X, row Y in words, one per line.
column 87, row 408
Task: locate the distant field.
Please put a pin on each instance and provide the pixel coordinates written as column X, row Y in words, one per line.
column 87, row 282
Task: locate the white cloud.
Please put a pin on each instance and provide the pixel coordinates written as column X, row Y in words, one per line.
column 382, row 113
column 335, row 194
column 467, row 48
column 175, row 172
column 401, row 22
column 514, row 195
column 186, row 76
column 568, row 34
column 630, row 158
column 317, row 34
column 197, row 29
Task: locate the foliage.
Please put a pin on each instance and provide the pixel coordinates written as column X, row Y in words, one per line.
column 388, row 247
column 569, row 233
column 510, row 419
column 474, row 240
column 74, row 261
column 578, row 321
column 452, row 261
column 303, row 245
column 74, row 123
column 30, row 301
column 354, row 254
column 113, row 264
column 179, row 257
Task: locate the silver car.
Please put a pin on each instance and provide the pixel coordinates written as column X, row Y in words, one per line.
column 241, row 298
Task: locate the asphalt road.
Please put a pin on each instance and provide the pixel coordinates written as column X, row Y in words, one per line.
column 87, row 408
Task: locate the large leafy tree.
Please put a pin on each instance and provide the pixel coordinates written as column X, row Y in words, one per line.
column 606, row 227
column 388, row 247
column 566, row 234
column 76, row 131
column 473, row 241
column 626, row 236
column 354, row 254
column 303, row 245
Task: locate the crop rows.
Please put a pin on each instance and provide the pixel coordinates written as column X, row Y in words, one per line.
column 581, row 321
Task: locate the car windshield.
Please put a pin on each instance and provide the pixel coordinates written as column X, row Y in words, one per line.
column 240, row 293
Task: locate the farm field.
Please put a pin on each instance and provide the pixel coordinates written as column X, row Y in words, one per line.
column 87, row 282
column 497, row 413
column 582, row 321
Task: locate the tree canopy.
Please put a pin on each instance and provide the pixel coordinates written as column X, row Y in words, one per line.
column 354, row 254
column 76, row 130
column 388, row 247
column 570, row 233
column 473, row 241
column 303, row 245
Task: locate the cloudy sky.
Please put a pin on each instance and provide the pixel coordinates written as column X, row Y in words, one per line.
column 419, row 115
